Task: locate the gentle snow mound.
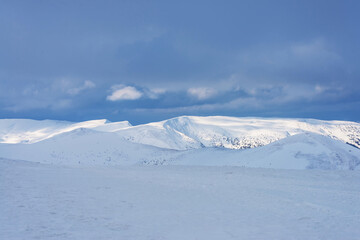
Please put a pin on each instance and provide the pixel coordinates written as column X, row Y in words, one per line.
column 85, row 146
column 31, row 131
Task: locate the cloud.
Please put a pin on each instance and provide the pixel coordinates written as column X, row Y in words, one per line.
column 121, row 92
column 36, row 104
column 154, row 93
column 295, row 62
column 263, row 99
column 315, row 51
column 51, row 95
column 76, row 90
column 71, row 86
column 201, row 93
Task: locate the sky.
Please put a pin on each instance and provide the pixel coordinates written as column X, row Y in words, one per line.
column 146, row 61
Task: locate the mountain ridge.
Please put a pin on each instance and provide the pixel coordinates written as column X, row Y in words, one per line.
column 188, row 132
column 249, row 142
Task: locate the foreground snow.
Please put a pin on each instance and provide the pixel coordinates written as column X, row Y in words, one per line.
column 176, row 202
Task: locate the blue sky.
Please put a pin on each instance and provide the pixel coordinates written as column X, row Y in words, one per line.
column 144, row 61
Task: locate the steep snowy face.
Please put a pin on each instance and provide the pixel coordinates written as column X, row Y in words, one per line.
column 301, row 151
column 160, row 134
column 31, row 131
column 227, row 132
column 234, row 133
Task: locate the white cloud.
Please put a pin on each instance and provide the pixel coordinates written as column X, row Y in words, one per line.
column 121, row 92
column 201, row 93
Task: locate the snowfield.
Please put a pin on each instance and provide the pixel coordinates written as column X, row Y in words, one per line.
column 176, row 202
column 215, row 178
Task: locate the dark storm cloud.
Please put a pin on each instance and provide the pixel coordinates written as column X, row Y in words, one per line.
column 67, row 59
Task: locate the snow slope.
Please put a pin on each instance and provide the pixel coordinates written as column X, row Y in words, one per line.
column 176, row 202
column 31, row 131
column 301, row 151
column 235, row 133
column 86, row 147
column 89, row 147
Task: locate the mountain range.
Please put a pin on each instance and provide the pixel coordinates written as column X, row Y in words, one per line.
column 186, row 140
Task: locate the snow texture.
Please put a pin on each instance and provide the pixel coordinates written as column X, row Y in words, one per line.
column 176, row 202
column 217, row 178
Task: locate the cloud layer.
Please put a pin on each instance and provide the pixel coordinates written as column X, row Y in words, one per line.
column 144, row 60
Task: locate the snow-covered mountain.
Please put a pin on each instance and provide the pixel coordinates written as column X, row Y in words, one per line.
column 301, row 151
column 187, row 132
column 89, row 147
column 250, row 142
column 234, row 133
